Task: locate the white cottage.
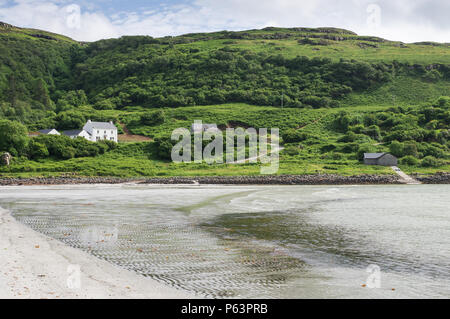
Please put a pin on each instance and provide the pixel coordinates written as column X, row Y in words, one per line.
column 101, row 131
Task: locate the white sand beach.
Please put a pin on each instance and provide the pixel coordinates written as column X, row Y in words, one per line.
column 35, row 266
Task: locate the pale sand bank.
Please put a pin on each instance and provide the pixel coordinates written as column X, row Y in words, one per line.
column 33, row 265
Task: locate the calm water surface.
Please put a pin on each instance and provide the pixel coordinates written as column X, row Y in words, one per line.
column 256, row 241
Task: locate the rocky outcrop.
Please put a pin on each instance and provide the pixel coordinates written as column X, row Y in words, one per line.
column 43, row 36
column 5, row 159
column 4, row 25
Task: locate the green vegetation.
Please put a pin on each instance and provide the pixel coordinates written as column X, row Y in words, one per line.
column 333, row 94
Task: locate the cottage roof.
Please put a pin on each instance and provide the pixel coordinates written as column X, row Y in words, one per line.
column 90, row 126
column 373, row 155
column 72, row 132
column 46, row 131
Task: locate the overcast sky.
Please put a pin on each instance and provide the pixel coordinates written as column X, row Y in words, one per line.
column 89, row 20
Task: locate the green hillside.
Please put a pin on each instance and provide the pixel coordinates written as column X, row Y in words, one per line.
column 300, row 80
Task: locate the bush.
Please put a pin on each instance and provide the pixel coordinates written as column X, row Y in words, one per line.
column 373, row 132
column 164, row 147
column 409, row 160
column 432, row 76
column 294, row 136
column 37, row 150
column 153, row 118
column 70, row 120
column 396, row 148
column 430, row 161
column 410, row 148
column 291, row 150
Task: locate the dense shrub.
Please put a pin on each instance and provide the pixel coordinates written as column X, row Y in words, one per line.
column 293, row 136
column 292, row 150
column 164, row 147
column 63, row 147
column 409, row 160
column 396, row 148
column 152, row 118
column 430, row 161
column 37, row 150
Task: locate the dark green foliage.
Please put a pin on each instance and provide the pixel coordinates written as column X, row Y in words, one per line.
column 152, row 118
column 13, row 137
column 172, row 77
column 31, row 71
column 164, row 147
column 430, row 161
column 71, row 99
column 373, row 132
column 342, row 122
column 292, row 150
column 293, row 135
column 410, row 149
column 70, row 120
column 63, row 147
column 37, row 150
column 396, row 148
column 432, row 76
column 409, row 160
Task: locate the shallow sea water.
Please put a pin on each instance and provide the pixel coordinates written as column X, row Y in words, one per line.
column 256, row 241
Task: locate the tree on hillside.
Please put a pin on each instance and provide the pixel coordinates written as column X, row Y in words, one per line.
column 70, row 120
column 12, row 91
column 13, row 137
column 41, row 93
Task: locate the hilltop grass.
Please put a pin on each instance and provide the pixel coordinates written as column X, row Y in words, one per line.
column 385, row 52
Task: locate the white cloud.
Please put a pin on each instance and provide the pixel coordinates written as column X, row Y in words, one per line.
column 404, row 20
column 53, row 16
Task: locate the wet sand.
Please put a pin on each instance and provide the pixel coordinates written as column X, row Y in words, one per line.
column 35, row 266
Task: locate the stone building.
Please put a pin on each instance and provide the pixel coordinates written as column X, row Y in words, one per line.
column 383, row 159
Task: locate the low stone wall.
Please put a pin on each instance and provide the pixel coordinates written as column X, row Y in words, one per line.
column 233, row 180
column 438, row 178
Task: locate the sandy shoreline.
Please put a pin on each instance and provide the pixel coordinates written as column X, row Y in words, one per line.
column 35, row 266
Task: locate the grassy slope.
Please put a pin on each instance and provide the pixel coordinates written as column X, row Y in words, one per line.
column 137, row 159
column 13, row 31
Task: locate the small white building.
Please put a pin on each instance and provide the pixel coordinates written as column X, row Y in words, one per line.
column 199, row 127
column 99, row 131
column 77, row 133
